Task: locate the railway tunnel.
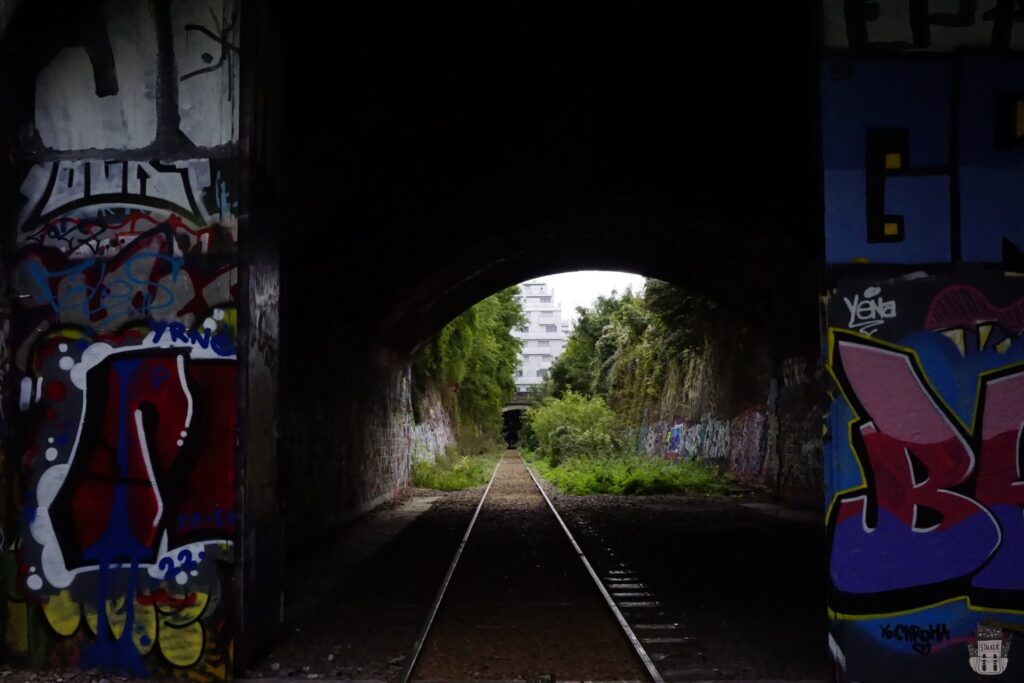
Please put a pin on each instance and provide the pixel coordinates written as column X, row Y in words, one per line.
column 235, row 222
column 512, row 423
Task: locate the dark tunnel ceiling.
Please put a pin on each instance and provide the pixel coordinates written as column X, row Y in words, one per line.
column 712, row 102
column 449, row 143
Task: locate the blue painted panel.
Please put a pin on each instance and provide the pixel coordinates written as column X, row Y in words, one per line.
column 902, row 100
column 992, row 174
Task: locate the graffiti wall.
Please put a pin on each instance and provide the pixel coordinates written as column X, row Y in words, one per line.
column 123, row 385
column 675, row 439
column 925, row 496
column 753, row 446
column 432, row 431
column 924, row 491
column 774, row 445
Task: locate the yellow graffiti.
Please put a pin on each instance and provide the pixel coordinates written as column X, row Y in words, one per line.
column 92, row 618
column 181, row 645
column 69, row 333
column 143, row 626
column 181, row 635
column 172, row 623
column 63, row 613
column 231, row 319
column 181, row 615
column 214, row 666
column 16, row 631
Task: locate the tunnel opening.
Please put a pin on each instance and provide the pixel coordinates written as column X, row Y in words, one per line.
column 512, row 423
column 732, row 407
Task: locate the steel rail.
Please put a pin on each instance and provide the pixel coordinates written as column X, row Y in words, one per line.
column 652, row 671
column 410, row 663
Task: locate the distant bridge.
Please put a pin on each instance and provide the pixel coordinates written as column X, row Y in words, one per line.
column 520, row 401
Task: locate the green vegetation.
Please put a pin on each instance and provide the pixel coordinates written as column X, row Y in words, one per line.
column 635, row 351
column 579, row 366
column 652, row 356
column 454, row 472
column 579, row 448
column 628, row 362
column 635, row 474
column 472, row 361
column 572, row 426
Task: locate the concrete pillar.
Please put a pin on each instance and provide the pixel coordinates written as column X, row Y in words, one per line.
column 922, row 116
column 126, row 346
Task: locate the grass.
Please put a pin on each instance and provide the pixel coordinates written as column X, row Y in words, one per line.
column 632, row 475
column 454, row 472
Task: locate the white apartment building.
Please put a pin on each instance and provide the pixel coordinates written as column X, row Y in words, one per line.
column 544, row 334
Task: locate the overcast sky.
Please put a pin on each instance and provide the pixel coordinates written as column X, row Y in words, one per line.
column 581, row 287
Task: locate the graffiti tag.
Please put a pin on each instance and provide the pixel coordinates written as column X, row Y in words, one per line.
column 921, row 637
column 940, row 511
column 870, row 312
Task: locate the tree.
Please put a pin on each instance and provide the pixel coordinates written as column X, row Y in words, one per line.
column 634, row 351
column 472, row 361
column 578, row 367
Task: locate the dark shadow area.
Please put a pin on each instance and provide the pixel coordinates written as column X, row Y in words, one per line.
column 465, row 161
column 744, row 582
column 512, row 422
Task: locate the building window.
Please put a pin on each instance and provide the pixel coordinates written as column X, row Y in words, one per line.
column 545, row 299
column 551, row 328
column 547, row 314
column 543, row 342
column 542, row 373
column 519, row 372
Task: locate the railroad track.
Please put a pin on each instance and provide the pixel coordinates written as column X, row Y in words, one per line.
column 417, row 648
column 639, row 619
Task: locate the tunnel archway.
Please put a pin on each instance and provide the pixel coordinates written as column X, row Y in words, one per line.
column 321, row 243
column 513, row 170
column 512, row 423
column 362, row 230
column 765, row 276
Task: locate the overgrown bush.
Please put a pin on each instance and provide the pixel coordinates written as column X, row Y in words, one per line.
column 632, row 475
column 527, row 437
column 572, row 426
column 454, row 471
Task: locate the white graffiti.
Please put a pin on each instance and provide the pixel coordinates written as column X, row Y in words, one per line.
column 54, row 568
column 869, row 313
column 89, row 208
column 433, row 434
